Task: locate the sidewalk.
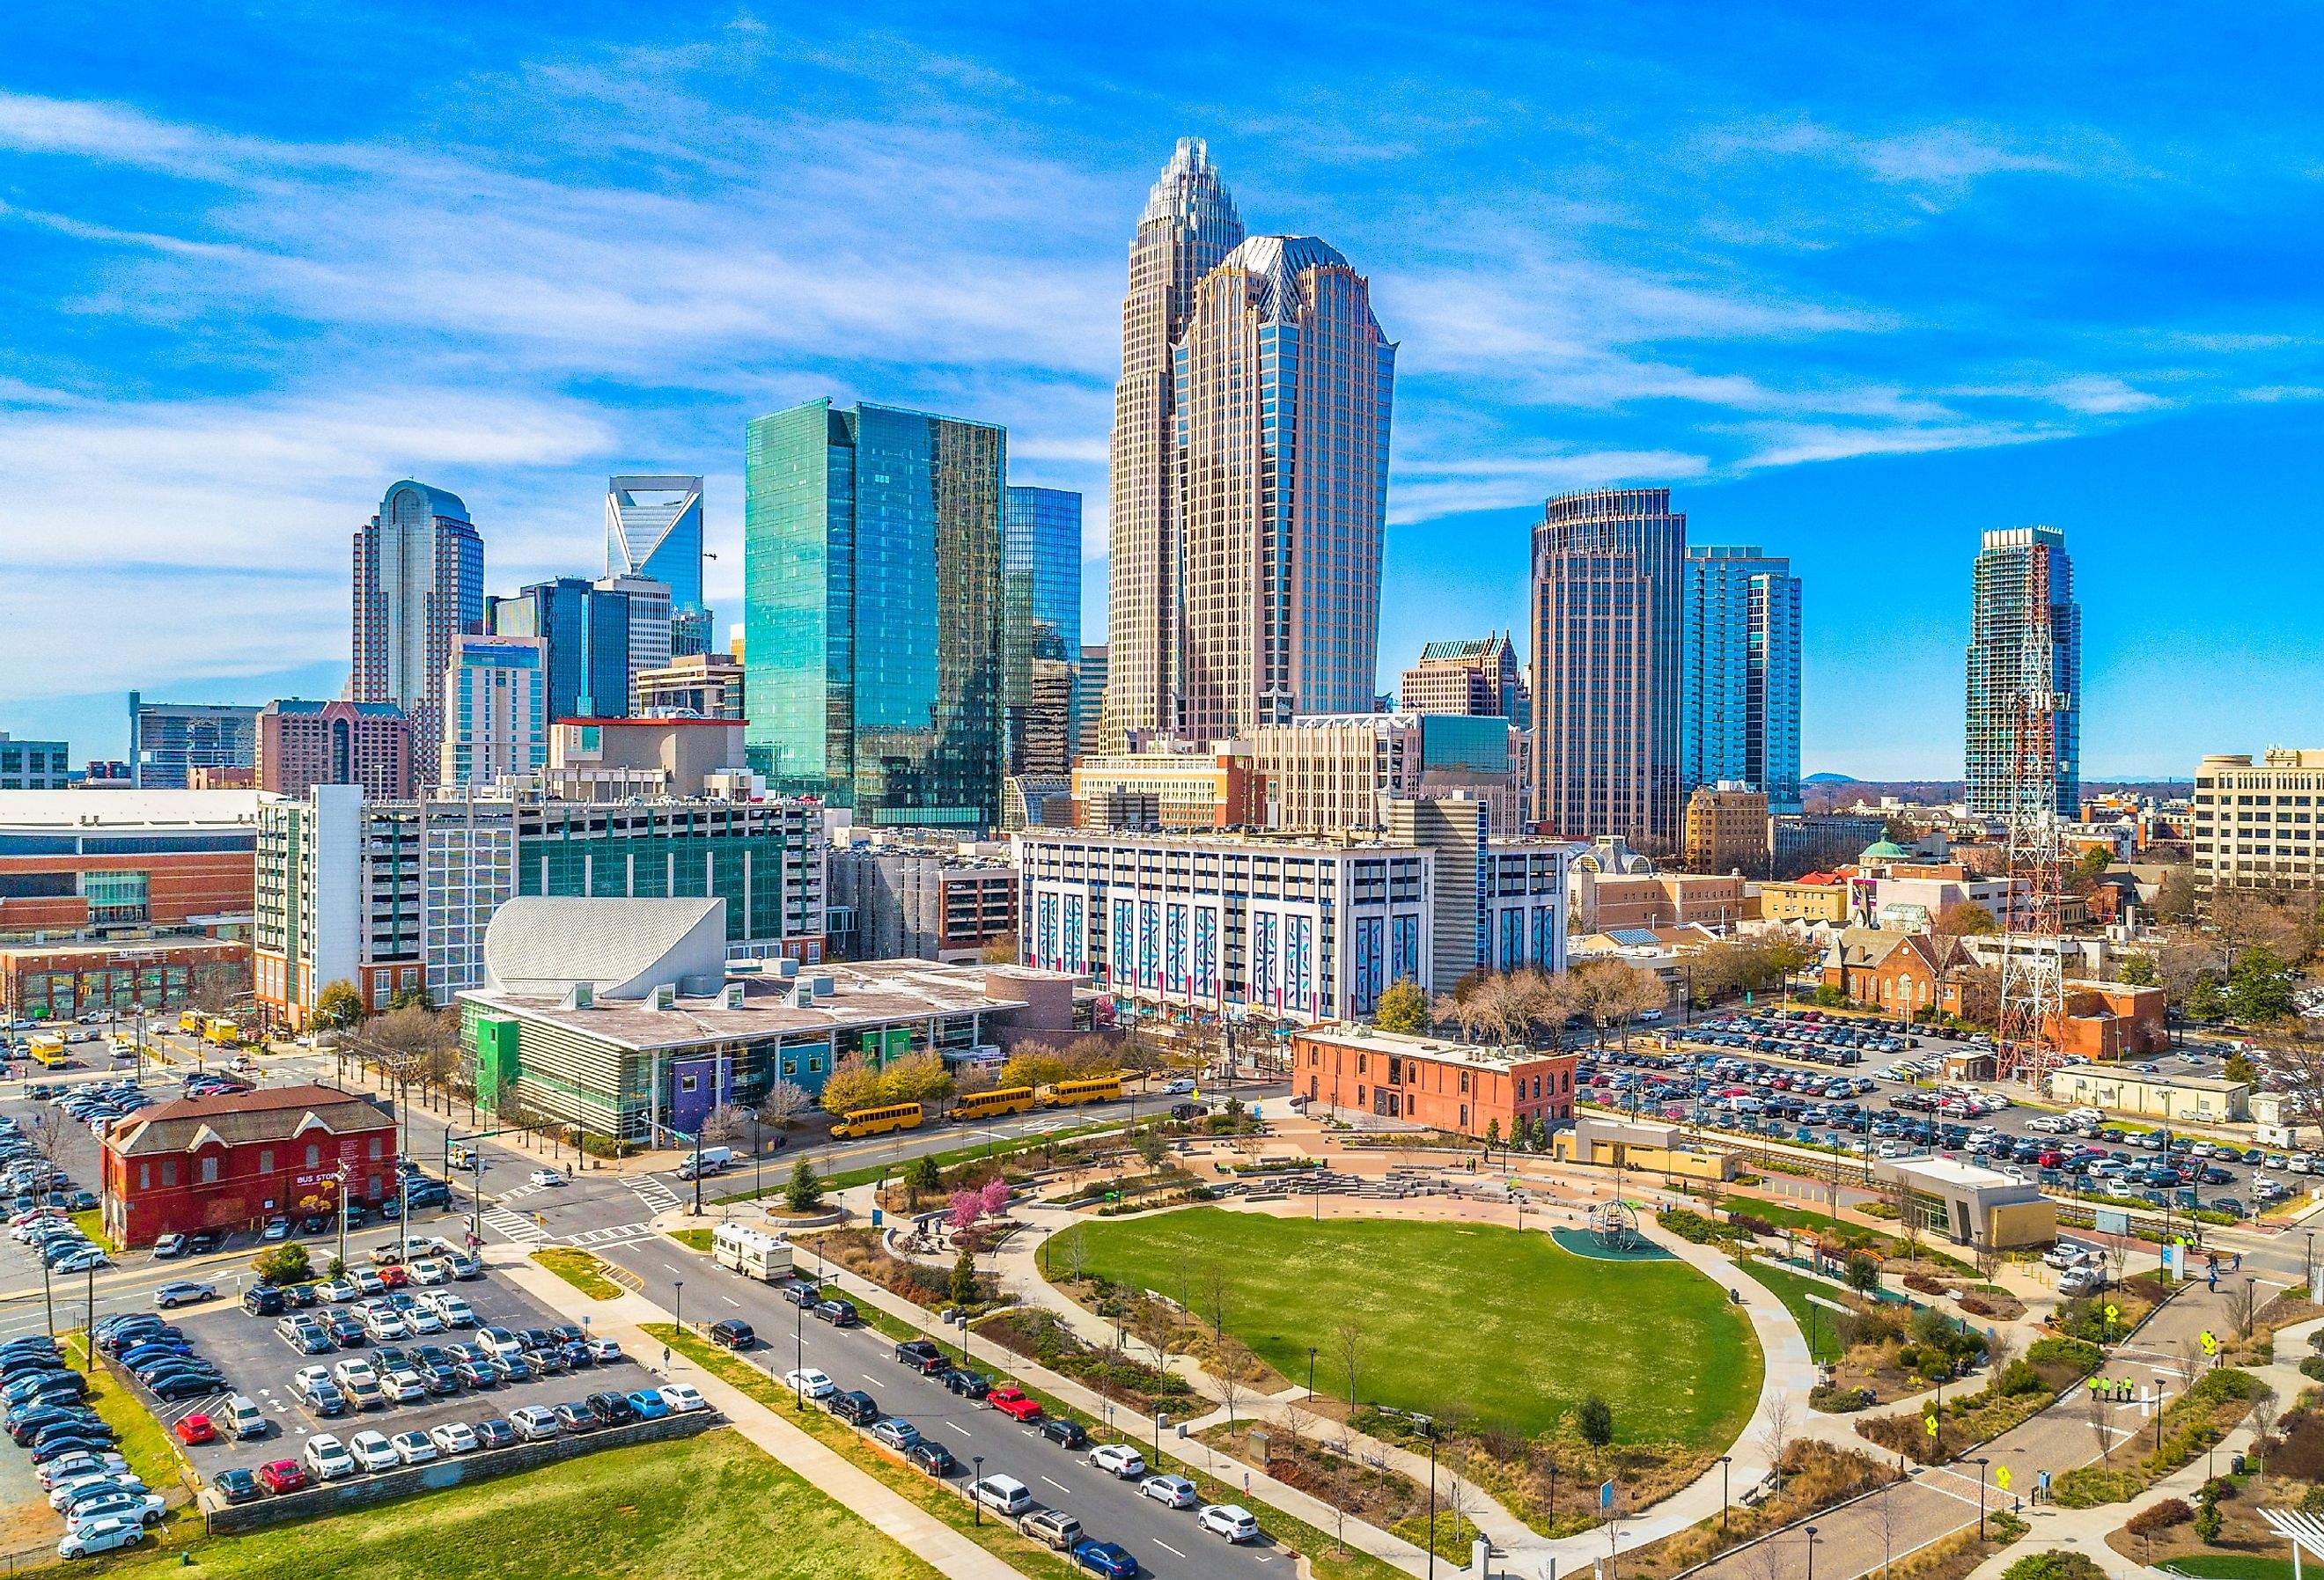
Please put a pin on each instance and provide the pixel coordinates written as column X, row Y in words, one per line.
column 622, row 1320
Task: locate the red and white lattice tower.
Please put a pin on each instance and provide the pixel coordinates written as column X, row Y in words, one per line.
column 2032, row 967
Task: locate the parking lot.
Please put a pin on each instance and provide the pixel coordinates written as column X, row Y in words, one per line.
column 1873, row 1090
column 260, row 1363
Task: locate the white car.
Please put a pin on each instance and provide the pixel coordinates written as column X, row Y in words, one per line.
column 373, row 1451
column 350, row 1372
column 413, row 1448
column 338, row 1291
column 328, row 1458
column 548, row 1176
column 145, row 1507
column 423, row 1320
column 1231, row 1520
column 429, row 1270
column 683, row 1397
column 68, row 1490
column 1174, row 1492
column 807, row 1383
column 385, row 1327
column 454, row 1438
column 1119, row 1460
column 309, row 1377
column 604, row 1351
column 58, row 1472
column 101, row 1536
column 532, row 1423
column 405, row 1387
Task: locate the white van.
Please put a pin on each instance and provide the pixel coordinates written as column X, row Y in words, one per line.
column 706, row 1162
column 1003, row 1494
column 243, row 1418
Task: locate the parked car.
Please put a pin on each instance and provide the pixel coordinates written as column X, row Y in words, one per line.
column 237, row 1486
column 373, row 1451
column 454, row 1438
column 1003, row 1494
column 853, row 1405
column 896, row 1433
column 1065, row 1434
column 1232, row 1521
column 1015, row 1403
column 413, row 1448
column 498, row 1432
column 1109, row 1558
column 933, row 1459
column 1119, row 1460
column 808, row 1383
column 734, row 1334
column 1052, row 1527
column 683, row 1397
column 328, row 1458
column 533, row 1424
column 99, row 1536
column 196, row 1427
column 922, row 1356
column 283, row 1476
column 169, row 1297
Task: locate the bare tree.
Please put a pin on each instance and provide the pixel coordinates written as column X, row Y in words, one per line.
column 1462, row 1498
column 783, row 1104
column 724, row 1123
column 2243, row 1306
column 2264, row 1407
column 1775, row 1436
column 2100, row 1416
column 1987, row 1258
column 1233, row 1374
column 1884, row 1520
column 1298, row 1421
column 1215, row 1290
column 1350, row 1339
column 2118, row 1256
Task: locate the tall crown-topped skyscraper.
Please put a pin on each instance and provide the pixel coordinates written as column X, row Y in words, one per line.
column 1187, row 228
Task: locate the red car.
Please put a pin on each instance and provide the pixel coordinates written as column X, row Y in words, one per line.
column 196, row 1429
column 393, row 1277
column 283, row 1476
column 1012, row 1402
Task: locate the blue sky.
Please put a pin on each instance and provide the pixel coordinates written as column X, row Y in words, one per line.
column 1855, row 287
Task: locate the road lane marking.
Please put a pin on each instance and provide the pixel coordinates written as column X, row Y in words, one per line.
column 956, row 1426
column 1166, row 1547
column 1060, row 1487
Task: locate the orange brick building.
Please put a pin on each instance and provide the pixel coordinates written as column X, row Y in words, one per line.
column 1445, row 1086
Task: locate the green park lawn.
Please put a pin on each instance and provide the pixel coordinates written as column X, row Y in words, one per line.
column 2228, row 1566
column 1794, row 1290
column 1509, row 1326
column 706, row 1508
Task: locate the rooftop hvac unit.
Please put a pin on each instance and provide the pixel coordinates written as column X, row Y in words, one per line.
column 699, row 987
column 786, row 969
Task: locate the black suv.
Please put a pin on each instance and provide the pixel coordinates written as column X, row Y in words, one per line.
column 921, row 1356
column 614, row 1409
column 967, row 1384
column 263, row 1300
column 933, row 1458
column 804, row 1292
column 1065, row 1434
column 839, row 1312
column 855, row 1407
column 734, row 1334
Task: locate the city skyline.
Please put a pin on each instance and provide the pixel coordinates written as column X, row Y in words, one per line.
column 1789, row 316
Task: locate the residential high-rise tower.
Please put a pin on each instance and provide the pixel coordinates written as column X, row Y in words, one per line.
column 1188, row 226
column 2023, row 607
column 1608, row 566
column 1739, row 722
column 653, row 529
column 419, row 583
column 1041, row 602
column 872, row 599
column 495, row 709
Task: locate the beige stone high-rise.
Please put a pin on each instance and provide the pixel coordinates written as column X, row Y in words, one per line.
column 1188, row 226
column 1249, row 482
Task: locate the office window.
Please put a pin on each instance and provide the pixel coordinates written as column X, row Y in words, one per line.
column 314, row 1157
column 375, row 1146
column 169, row 1174
column 266, row 1159
column 209, row 1170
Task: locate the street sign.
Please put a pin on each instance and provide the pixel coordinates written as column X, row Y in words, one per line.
column 2210, row 1342
column 2113, row 1313
column 1605, row 1496
column 1928, row 1425
column 2001, row 1477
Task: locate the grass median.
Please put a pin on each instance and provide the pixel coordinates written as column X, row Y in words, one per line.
column 1325, row 1559
column 707, row 1508
column 584, row 1271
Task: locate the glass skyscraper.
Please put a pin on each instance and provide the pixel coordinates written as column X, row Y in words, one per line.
column 1041, row 604
column 2023, row 604
column 1741, row 716
column 585, row 631
column 1607, row 566
column 1283, row 389
column 419, row 583
column 653, row 529
column 873, row 642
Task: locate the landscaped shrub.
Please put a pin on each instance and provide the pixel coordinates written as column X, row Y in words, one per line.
column 2207, row 1523
column 2053, row 1564
column 1977, row 1305
column 1835, row 1401
column 2079, row 1354
column 1751, row 1226
column 2313, row 1366
column 1909, row 1358
column 2094, row 1484
column 1921, row 1284
column 2160, row 1517
column 1688, row 1225
column 2019, row 1377
column 2312, row 1502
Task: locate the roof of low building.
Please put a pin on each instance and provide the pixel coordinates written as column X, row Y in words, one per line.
column 536, row 940
column 865, row 994
column 1442, row 1050
column 266, row 1114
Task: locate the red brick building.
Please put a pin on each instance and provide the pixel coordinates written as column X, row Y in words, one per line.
column 302, row 745
column 232, row 1161
column 55, row 981
column 1428, row 1080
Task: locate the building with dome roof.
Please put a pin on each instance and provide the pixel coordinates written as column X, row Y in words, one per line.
column 1250, row 487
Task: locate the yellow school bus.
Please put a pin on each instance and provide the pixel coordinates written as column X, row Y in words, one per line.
column 1000, row 1100
column 191, row 1020
column 48, row 1051
column 878, row 1121
column 1070, row 1093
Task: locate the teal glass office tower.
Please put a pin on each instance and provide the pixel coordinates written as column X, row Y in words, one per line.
column 873, row 626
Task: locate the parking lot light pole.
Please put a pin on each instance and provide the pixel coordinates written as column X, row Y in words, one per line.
column 798, row 1354
column 975, row 1504
column 47, row 1299
column 679, row 1285
column 89, row 1352
column 1980, row 1465
column 1311, row 1371
column 1724, row 1461
column 1811, row 1541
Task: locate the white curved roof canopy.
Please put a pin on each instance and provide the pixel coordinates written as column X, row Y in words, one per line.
column 545, row 944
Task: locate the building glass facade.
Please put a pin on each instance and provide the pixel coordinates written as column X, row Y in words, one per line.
column 585, row 631
column 2020, row 570
column 1608, row 568
column 1741, row 717
column 873, row 651
column 653, row 529
column 419, row 583
column 1041, row 618
column 169, row 740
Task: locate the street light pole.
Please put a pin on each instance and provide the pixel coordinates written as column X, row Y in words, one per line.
column 1980, row 1465
column 1432, row 1501
column 1724, row 1460
column 88, row 1354
column 1311, row 1369
column 1811, row 1541
column 679, row 1285
column 976, row 1504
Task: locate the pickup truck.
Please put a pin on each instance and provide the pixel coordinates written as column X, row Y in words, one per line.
column 1013, row 1402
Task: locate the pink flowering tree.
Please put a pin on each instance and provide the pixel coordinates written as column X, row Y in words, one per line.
column 995, row 1197
column 967, row 1207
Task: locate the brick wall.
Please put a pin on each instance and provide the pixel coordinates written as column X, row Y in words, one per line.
column 320, row 1502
